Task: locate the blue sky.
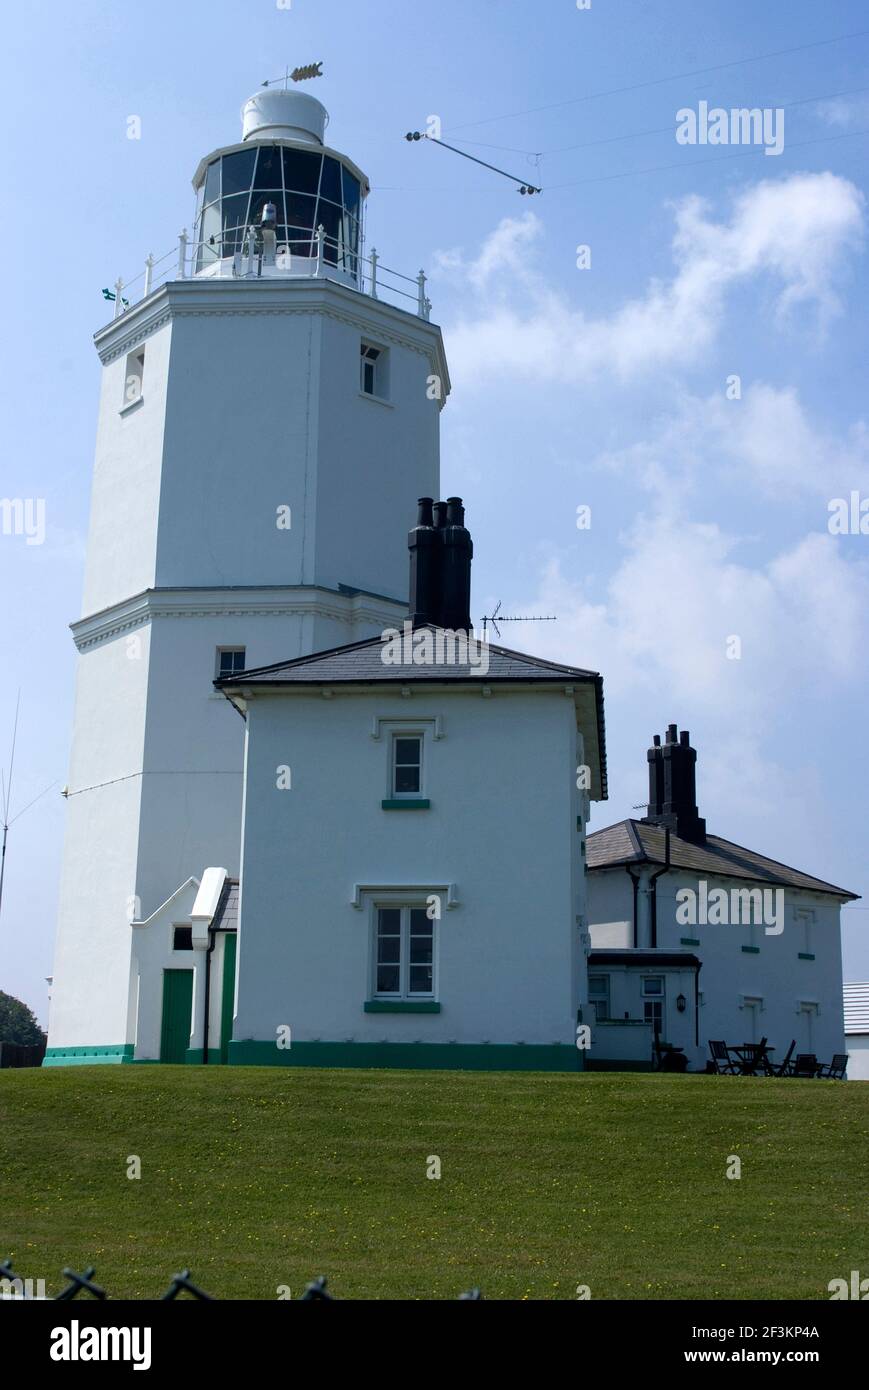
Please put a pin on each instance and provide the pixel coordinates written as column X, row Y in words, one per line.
column 603, row 387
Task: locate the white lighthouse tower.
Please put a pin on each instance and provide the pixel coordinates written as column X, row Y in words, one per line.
column 269, row 414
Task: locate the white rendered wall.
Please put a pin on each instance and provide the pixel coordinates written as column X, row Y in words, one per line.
column 502, row 827
column 775, row 973
column 250, row 401
column 858, row 1056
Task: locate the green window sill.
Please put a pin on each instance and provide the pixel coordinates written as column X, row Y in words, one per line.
column 804, row 955
column 406, row 804
column 689, row 941
column 402, row 1006
column 751, row 950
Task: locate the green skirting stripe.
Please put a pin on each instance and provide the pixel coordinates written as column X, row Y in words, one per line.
column 805, row 955
column 88, row 1056
column 437, row 1056
column 689, row 941
column 751, row 950
column 194, row 1055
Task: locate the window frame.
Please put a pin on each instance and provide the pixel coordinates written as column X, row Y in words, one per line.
column 404, row 994
column 224, row 651
column 602, row 996
column 417, row 735
column 379, row 365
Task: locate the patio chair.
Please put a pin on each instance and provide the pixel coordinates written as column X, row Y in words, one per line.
column 836, row 1069
column 784, row 1067
column 722, row 1062
column 806, row 1064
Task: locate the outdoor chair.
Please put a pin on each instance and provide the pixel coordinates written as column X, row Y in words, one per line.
column 784, row 1067
column 722, row 1062
column 806, row 1065
column 836, row 1069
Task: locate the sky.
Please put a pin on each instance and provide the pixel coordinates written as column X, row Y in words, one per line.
column 671, row 335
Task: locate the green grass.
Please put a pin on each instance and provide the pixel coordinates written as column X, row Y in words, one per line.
column 259, row 1177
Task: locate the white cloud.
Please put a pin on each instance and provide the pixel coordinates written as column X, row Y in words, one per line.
column 845, row 111
column 677, row 596
column 794, row 230
column 765, row 440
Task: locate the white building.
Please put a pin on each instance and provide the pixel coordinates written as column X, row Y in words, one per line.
column 698, row 938
column 267, row 419
column 856, row 1000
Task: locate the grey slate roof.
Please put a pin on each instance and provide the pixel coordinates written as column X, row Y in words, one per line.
column 856, row 1000
column 226, row 914
column 632, row 842
column 360, row 663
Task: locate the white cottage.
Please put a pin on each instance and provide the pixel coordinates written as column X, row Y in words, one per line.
column 413, row 887
column 697, row 938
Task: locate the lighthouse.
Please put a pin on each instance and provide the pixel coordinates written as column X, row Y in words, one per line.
column 268, row 416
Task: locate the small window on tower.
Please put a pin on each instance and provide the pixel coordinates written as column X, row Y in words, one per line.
column 374, row 364
column 133, row 376
column 230, row 660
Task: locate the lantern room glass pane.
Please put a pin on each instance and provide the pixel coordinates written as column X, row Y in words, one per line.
column 212, row 181
column 238, row 172
column 300, row 222
column 268, row 167
column 258, row 202
column 301, row 171
column 330, row 217
column 209, row 227
column 330, row 183
column 351, row 192
column 235, row 222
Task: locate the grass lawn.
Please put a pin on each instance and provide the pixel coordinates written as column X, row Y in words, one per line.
column 259, row 1177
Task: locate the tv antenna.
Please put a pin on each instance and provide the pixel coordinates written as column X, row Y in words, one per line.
column 303, row 74
column 524, row 186
column 498, row 617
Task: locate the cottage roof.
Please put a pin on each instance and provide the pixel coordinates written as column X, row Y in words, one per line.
column 634, row 842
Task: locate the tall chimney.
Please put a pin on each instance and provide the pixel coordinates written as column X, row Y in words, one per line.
column 457, row 552
column 423, row 542
column 672, row 786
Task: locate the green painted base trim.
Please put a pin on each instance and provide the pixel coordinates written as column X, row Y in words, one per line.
column 112, row 1055
column 689, row 941
column 194, row 1055
column 751, row 950
column 401, row 1006
column 437, row 1056
column 402, row 804
column 804, row 955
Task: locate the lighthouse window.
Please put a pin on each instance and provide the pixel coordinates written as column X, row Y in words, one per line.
column 230, row 660
column 133, row 374
column 374, row 371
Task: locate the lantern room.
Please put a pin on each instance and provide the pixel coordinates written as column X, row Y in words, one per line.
column 267, row 196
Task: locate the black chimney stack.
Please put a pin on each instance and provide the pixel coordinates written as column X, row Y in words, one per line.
column 458, row 550
column 672, row 786
column 424, row 545
column 441, row 550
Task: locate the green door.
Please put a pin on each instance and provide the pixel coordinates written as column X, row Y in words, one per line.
column 177, row 1008
column 228, row 997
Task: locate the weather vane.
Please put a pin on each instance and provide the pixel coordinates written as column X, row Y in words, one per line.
column 302, row 74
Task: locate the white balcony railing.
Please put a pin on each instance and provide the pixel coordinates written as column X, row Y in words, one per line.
column 327, row 260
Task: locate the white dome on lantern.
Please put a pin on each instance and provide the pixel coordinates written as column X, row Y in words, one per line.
column 286, row 115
